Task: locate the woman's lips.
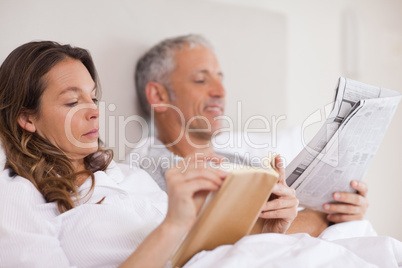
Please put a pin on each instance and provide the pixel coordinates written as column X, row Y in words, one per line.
column 92, row 134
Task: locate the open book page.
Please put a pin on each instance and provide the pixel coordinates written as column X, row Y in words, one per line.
column 229, row 214
column 345, row 145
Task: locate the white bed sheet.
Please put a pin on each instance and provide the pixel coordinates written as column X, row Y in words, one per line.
column 352, row 244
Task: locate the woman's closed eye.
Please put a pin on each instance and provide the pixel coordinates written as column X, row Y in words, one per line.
column 71, row 104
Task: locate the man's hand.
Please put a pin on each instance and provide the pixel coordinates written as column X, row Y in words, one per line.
column 281, row 209
column 353, row 207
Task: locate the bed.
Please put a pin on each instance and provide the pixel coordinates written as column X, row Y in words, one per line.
column 351, row 244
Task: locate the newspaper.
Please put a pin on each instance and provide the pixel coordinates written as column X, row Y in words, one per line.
column 345, row 145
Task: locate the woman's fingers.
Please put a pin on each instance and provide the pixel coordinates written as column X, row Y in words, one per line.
column 280, row 203
column 188, row 186
column 284, row 214
column 281, row 189
column 280, row 168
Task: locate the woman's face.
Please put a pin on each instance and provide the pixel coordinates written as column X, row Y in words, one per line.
column 68, row 115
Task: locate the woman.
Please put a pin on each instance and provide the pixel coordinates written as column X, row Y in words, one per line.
column 63, row 202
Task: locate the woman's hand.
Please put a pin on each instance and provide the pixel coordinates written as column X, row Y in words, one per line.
column 188, row 185
column 353, row 206
column 281, row 209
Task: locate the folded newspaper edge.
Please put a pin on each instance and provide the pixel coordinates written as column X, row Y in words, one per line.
column 345, row 145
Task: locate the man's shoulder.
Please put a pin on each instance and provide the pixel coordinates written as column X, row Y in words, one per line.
column 149, row 147
column 152, row 156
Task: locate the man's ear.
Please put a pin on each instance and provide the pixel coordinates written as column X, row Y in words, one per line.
column 25, row 120
column 157, row 96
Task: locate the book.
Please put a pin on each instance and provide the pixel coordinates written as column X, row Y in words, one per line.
column 345, row 145
column 229, row 213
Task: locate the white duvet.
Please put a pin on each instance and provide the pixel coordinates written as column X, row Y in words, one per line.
column 351, row 244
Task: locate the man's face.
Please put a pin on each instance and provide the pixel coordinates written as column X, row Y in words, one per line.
column 198, row 91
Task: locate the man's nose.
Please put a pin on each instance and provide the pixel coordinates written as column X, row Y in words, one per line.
column 217, row 89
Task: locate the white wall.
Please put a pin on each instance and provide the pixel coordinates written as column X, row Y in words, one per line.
column 317, row 57
column 279, row 57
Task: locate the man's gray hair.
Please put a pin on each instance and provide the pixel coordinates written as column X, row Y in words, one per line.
column 158, row 63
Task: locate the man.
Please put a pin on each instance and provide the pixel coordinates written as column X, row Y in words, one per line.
column 181, row 80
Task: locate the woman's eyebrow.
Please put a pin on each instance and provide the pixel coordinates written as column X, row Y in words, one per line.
column 69, row 89
column 74, row 89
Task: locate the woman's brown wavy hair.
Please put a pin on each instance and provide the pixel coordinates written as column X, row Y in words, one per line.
column 28, row 154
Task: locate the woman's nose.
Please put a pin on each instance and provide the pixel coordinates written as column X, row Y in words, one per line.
column 92, row 111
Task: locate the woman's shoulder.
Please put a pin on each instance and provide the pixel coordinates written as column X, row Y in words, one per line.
column 18, row 188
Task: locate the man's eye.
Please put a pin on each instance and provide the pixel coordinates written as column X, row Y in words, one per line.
column 199, row 81
column 95, row 100
column 72, row 104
